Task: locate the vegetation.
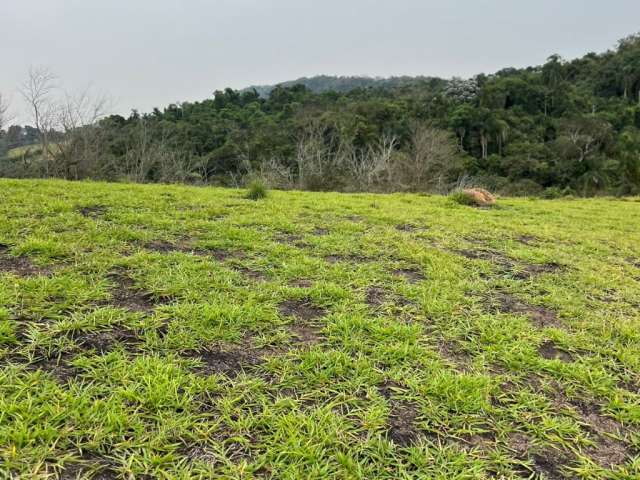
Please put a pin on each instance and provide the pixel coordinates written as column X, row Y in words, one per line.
column 565, row 126
column 256, row 190
column 182, row 332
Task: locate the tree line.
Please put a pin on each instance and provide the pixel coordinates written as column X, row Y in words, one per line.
column 564, row 127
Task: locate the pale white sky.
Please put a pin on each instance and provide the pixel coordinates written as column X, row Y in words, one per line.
column 148, row 53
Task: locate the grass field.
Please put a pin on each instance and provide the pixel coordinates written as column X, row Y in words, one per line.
column 180, row 332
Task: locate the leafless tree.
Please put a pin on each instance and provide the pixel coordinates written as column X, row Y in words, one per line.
column 4, row 112
column 79, row 154
column 37, row 91
column 431, row 161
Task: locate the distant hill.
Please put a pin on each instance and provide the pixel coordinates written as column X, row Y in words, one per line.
column 343, row 84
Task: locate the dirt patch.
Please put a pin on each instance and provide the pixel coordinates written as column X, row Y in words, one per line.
column 550, row 463
column 291, row 239
column 524, row 272
column 376, row 296
column 410, row 227
column 126, row 295
column 251, row 274
column 226, row 362
column 306, row 334
column 92, row 211
column 402, row 429
column 542, row 317
column 163, row 246
column 528, row 239
column 351, row 258
column 222, row 255
column 411, row 275
column 20, row 266
column 103, row 342
column 354, row 218
column 200, row 454
column 319, row 232
column 301, row 283
column 509, row 266
column 454, row 355
column 549, row 351
column 90, row 466
column 302, row 309
column 608, row 450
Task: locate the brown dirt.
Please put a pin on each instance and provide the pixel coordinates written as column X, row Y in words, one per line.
column 412, row 275
column 549, row 351
column 410, row 227
column 550, row 463
column 103, row 342
column 93, row 211
column 301, row 283
column 508, row 266
column 527, row 239
column 126, row 295
column 222, row 255
column 291, row 239
column 319, row 231
column 352, row 258
column 20, row 266
column 540, row 316
column 227, row 362
column 376, row 296
column 301, row 310
column 251, row 274
column 306, row 334
column 163, row 246
column 90, row 466
column 608, row 451
column 460, row 359
column 525, row 272
column 402, row 429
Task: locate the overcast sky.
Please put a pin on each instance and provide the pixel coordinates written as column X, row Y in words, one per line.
column 148, row 53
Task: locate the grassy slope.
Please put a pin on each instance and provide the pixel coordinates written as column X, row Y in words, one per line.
column 185, row 332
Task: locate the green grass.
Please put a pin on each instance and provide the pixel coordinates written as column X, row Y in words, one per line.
column 180, row 332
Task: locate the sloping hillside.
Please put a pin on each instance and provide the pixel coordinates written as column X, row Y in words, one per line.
column 178, row 332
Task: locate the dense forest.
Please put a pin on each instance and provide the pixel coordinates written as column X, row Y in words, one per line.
column 565, row 127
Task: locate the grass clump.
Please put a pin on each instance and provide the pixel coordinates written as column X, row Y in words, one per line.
column 257, row 190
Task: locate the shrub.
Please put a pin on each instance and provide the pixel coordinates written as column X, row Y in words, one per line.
column 256, row 190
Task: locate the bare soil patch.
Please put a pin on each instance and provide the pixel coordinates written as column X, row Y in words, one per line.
column 540, row 316
column 251, row 274
column 320, row 231
column 92, row 211
column 507, row 265
column 126, row 295
column 351, row 258
column 411, row 275
column 301, row 283
column 528, row 239
column 226, row 362
column 402, row 429
column 20, row 266
column 549, row 351
column 302, row 309
column 376, row 296
column 410, row 227
column 550, row 463
column 306, row 334
column 90, row 466
column 105, row 341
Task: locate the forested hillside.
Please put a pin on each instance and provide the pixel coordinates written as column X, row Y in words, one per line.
column 565, row 127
